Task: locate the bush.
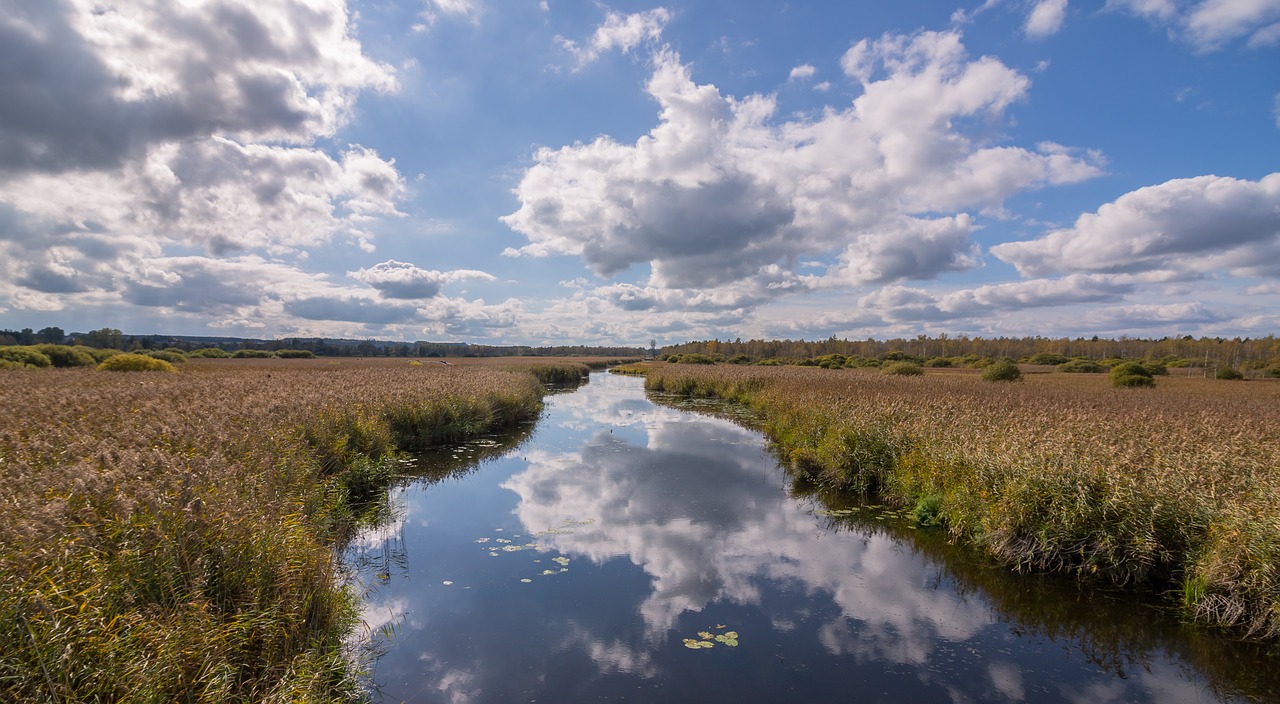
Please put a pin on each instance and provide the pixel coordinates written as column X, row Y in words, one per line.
column 740, row 359
column 1156, row 368
column 1004, row 370
column 209, row 353
column 170, row 357
column 939, row 362
column 692, row 358
column 295, row 354
column 1272, row 372
column 902, row 369
column 253, row 354
column 1046, row 358
column 1131, row 375
column 25, row 356
column 99, row 355
column 129, row 362
column 1229, row 374
column 1081, row 366
column 65, row 356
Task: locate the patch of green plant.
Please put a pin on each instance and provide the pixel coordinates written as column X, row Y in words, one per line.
column 1004, row 370
column 253, row 354
column 692, row 358
column 209, row 353
column 939, row 362
column 1046, row 358
column 567, row 373
column 1130, row 375
column 170, row 357
column 66, row 356
column 25, row 356
column 295, row 354
column 928, row 511
column 129, row 362
column 1228, row 374
column 1081, row 365
column 902, row 369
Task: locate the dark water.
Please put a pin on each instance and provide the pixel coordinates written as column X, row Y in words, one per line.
column 574, row 564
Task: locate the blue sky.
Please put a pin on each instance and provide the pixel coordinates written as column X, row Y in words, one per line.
column 524, row 172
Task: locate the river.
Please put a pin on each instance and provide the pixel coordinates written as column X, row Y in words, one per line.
column 624, row 550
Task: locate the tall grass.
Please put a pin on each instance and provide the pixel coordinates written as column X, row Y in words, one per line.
column 1176, row 487
column 172, row 537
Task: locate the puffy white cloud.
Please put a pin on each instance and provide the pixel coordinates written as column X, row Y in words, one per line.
column 624, row 32
column 1212, row 24
column 1046, row 18
column 1195, row 225
column 802, row 72
column 403, row 280
column 720, row 191
column 136, row 133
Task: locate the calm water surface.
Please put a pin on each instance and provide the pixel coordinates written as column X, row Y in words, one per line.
column 578, row 565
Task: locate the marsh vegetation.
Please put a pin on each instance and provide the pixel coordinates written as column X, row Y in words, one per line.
column 172, row 537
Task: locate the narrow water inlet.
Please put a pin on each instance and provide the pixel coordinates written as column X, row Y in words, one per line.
column 629, row 550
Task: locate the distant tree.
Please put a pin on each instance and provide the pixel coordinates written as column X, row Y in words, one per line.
column 52, row 335
column 106, row 338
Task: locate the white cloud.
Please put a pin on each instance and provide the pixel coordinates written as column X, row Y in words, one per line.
column 802, row 72
column 720, row 191
column 402, row 280
column 1196, row 225
column 1212, row 24
column 624, row 32
column 1046, row 18
column 456, row 8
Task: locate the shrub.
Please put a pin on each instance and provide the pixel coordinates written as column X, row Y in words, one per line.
column 1081, row 366
column 129, row 362
column 1003, row 370
column 65, row 356
column 902, row 369
column 1156, row 368
column 209, row 353
column 170, row 357
column 939, row 362
column 1229, row 374
column 253, row 354
column 1046, row 358
column 740, row 359
column 25, row 356
column 99, row 355
column 295, row 354
column 1272, row 372
column 1131, row 374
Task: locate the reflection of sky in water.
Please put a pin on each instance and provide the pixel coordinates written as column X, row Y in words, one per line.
column 690, row 528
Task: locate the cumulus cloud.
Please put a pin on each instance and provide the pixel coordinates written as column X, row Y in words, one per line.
column 136, row 133
column 1046, row 18
column 403, row 280
column 1195, row 225
column 1210, row 25
column 802, row 72
column 619, row 31
column 721, row 191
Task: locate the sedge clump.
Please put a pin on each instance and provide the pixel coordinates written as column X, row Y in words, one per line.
column 129, row 362
column 1131, row 375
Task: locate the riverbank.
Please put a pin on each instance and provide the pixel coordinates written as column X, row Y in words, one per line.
column 1176, row 487
column 173, row 537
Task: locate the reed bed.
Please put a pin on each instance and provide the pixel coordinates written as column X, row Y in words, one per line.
column 174, row 537
column 1176, row 486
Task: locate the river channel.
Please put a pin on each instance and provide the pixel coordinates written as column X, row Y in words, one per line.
column 625, row 550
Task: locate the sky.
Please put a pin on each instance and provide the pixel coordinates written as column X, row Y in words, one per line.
column 570, row 172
